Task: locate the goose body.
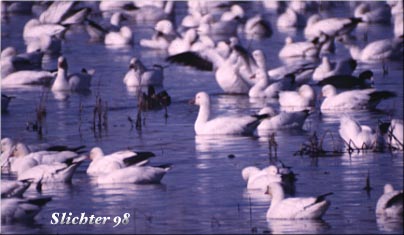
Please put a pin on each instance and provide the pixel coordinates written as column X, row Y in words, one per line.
column 298, row 100
column 390, row 203
column 50, row 173
column 139, row 75
column 341, row 68
column 333, row 26
column 298, row 49
column 280, row 121
column 28, row 77
column 353, row 99
column 260, row 178
column 121, row 38
column 134, row 175
column 74, row 82
column 378, row 50
column 226, row 125
column 364, row 80
column 355, row 135
column 102, row 165
column 295, row 208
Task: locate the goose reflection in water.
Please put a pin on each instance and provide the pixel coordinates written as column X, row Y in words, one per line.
column 297, row 226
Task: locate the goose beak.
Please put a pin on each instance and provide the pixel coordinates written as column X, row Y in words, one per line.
column 268, row 191
column 253, row 76
column 191, row 101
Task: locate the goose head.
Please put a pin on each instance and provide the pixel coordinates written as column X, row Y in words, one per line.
column 247, row 172
column 95, row 153
column 201, row 99
column 62, row 63
column 6, row 144
column 328, row 91
column 165, row 27
column 388, row 188
column 267, row 110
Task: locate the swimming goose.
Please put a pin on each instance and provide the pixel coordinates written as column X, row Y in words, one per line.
column 290, row 18
column 164, row 34
column 225, row 60
column 13, row 188
column 364, row 80
column 280, row 121
column 63, row 13
column 34, row 29
column 378, row 50
column 258, row 27
column 135, row 175
column 72, row 82
column 301, row 49
column 390, row 203
column 327, row 69
column 103, row 164
column 5, row 101
column 150, row 12
column 28, row 77
column 139, row 75
column 356, row 136
column 52, row 173
column 394, row 133
column 183, row 44
column 225, row 125
column 98, row 32
column 332, row 27
column 11, row 61
column 297, row 207
column 379, row 15
column 123, row 37
column 260, row 178
column 21, row 210
column 299, row 100
column 353, row 99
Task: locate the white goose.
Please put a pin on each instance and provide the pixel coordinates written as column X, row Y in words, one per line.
column 11, row 61
column 290, row 18
column 73, row 82
column 135, row 175
column 164, row 34
column 21, row 210
column 51, row 173
column 227, row 125
column 297, row 207
column 379, row 15
column 390, row 203
column 326, row 69
column 28, row 77
column 183, row 44
column 258, row 27
column 34, row 29
column 259, row 179
column 378, row 50
column 300, row 49
column 302, row 99
column 330, row 26
column 395, row 133
column 98, row 32
column 103, row 164
column 356, row 136
column 139, row 75
column 353, row 99
column 23, row 159
column 123, row 37
column 280, row 121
